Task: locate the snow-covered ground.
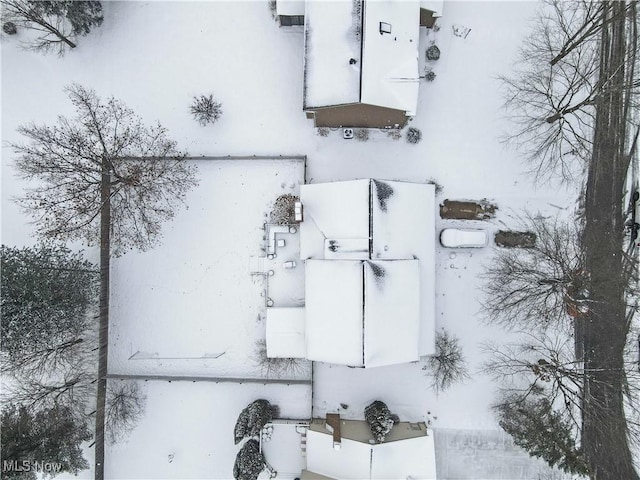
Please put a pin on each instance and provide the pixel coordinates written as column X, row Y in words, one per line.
column 193, row 295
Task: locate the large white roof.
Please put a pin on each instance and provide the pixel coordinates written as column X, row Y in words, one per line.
column 334, row 321
column 401, row 217
column 362, row 313
column 285, row 333
column 385, row 72
column 410, row 458
column 391, row 312
column 390, row 76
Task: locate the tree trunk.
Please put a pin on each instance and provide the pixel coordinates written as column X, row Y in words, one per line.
column 105, row 257
column 605, row 431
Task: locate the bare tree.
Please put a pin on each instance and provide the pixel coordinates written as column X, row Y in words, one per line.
column 447, row 366
column 105, row 178
column 538, row 286
column 55, row 23
column 551, row 96
column 125, row 406
column 277, row 366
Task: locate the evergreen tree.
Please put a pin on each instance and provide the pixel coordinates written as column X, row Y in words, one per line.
column 542, row 432
column 249, row 461
column 380, row 419
column 51, row 435
column 253, row 418
column 46, row 294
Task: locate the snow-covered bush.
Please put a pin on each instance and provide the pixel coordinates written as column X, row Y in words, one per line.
column 361, row 134
column 380, row 419
column 394, row 134
column 414, row 135
column 9, row 28
column 433, row 53
column 283, row 212
column 253, row 418
column 430, row 76
column 249, row 461
column 205, row 109
column 323, row 131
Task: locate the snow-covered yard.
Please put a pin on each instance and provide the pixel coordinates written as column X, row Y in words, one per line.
column 193, row 295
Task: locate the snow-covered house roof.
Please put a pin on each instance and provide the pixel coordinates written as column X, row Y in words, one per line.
column 285, row 336
column 370, row 220
column 362, row 312
column 349, row 60
column 290, row 7
column 404, row 457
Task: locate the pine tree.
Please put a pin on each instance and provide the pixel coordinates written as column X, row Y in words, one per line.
column 53, row 435
column 253, row 418
column 542, row 431
column 249, row 461
column 46, row 294
column 380, row 419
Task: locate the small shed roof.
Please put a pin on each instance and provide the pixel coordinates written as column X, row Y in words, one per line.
column 290, row 7
column 286, row 333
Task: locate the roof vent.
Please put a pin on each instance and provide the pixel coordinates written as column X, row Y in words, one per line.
column 385, row 28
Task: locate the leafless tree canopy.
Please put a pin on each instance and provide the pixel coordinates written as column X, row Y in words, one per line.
column 278, row 367
column 148, row 175
column 550, row 96
column 447, row 366
column 125, row 406
column 53, row 23
column 539, row 286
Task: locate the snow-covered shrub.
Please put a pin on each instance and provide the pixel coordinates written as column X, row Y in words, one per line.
column 380, row 419
column 438, row 187
column 430, row 76
column 447, row 366
column 394, row 134
column 205, row 109
column 433, row 53
column 323, row 131
column 283, row 212
column 253, row 418
column 9, row 28
column 361, row 134
column 249, row 462
column 414, row 135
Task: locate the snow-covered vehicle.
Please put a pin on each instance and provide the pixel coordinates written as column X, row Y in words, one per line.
column 463, row 238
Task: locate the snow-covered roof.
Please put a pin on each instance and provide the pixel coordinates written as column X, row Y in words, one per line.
column 338, row 210
column 408, row 458
column 401, row 218
column 385, row 71
column 391, row 312
column 403, row 224
column 390, row 76
column 332, row 38
column 290, row 7
column 362, row 313
column 285, row 333
column 333, row 304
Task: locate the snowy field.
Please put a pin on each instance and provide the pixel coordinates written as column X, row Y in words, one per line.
column 190, row 306
column 193, row 295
